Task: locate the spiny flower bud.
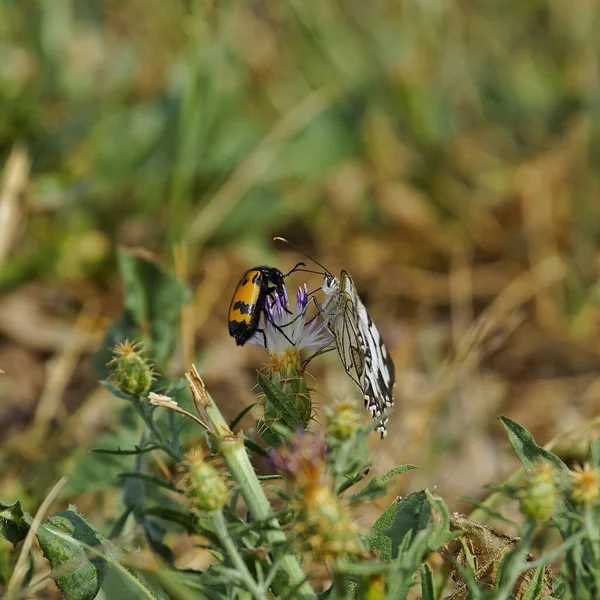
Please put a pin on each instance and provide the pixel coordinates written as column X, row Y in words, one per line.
column 344, row 420
column 285, row 369
column 324, row 525
column 539, row 499
column 303, row 462
column 133, row 371
column 203, row 484
column 585, row 484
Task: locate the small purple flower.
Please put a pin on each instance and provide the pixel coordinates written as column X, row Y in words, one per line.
column 285, row 328
column 303, row 460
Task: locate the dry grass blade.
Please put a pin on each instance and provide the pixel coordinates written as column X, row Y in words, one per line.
column 16, row 175
column 21, row 566
column 490, row 329
column 60, row 368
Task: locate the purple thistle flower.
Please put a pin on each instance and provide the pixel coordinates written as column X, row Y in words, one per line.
column 285, row 328
column 303, row 460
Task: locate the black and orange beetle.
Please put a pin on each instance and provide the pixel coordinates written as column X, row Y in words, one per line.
column 248, row 301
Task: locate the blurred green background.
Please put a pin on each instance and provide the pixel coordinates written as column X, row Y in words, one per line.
column 446, row 154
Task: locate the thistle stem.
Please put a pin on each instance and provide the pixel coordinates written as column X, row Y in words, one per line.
column 220, row 525
column 240, row 467
column 231, row 447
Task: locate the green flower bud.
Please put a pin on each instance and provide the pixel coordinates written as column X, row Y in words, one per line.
column 539, row 500
column 203, row 485
column 344, row 420
column 133, row 372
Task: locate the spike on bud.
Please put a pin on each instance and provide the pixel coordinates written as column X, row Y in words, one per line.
column 133, row 373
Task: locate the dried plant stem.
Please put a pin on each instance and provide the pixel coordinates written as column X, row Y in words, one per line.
column 21, row 567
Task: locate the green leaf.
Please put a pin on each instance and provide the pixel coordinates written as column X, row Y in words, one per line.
column 378, row 485
column 427, row 586
column 241, row 415
column 411, row 516
column 187, row 520
column 393, row 473
column 377, row 538
column 283, row 404
column 131, row 584
column 12, row 526
column 254, row 447
column 125, row 452
column 527, row 450
column 155, row 534
column 64, row 539
column 153, row 300
column 440, row 533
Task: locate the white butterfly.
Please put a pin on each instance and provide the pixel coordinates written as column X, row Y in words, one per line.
column 362, row 351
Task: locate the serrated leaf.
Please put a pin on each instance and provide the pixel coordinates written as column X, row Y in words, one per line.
column 12, row 525
column 527, row 450
column 411, row 516
column 120, row 452
column 64, row 539
column 283, row 404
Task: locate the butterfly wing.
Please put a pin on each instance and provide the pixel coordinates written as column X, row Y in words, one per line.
column 362, row 351
column 378, row 377
column 342, row 320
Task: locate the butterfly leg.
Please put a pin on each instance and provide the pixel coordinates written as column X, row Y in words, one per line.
column 323, row 350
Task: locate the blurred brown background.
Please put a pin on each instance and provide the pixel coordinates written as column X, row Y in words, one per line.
column 444, row 155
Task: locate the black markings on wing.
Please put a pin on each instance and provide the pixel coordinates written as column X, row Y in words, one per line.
column 378, row 379
column 364, row 356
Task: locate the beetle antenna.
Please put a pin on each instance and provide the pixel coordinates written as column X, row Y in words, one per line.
column 280, row 239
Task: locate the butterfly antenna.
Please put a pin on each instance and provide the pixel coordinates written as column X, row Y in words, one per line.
column 280, row 239
column 300, row 264
column 310, row 271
